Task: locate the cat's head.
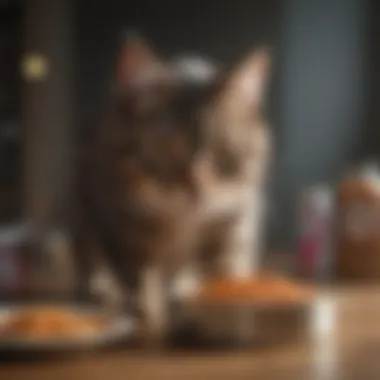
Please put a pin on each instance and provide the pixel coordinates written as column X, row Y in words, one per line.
column 165, row 113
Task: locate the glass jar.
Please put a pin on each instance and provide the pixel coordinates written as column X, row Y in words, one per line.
column 315, row 245
column 16, row 262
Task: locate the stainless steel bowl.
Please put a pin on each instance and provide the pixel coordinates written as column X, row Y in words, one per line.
column 245, row 324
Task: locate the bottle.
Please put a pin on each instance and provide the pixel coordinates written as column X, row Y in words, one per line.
column 315, row 245
column 358, row 227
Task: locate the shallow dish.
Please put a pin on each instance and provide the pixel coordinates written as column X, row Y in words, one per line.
column 117, row 329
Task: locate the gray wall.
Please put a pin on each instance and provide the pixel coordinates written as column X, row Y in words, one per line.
column 323, row 97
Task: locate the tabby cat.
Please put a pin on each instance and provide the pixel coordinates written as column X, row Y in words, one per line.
column 174, row 174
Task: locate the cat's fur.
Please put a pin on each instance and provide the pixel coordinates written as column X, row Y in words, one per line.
column 175, row 172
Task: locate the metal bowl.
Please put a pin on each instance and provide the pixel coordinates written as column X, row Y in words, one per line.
column 246, row 324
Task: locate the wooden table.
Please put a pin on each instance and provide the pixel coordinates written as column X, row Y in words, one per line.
column 350, row 351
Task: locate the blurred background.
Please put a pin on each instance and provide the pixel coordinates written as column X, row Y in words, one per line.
column 56, row 60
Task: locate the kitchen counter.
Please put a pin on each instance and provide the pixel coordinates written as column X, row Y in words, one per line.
column 350, row 351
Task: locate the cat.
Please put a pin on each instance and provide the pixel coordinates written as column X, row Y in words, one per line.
column 175, row 174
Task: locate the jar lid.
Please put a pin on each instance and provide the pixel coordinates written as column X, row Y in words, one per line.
column 370, row 174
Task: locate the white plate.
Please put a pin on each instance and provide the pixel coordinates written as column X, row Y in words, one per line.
column 120, row 328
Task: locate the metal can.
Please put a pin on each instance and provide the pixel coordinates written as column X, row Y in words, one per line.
column 315, row 244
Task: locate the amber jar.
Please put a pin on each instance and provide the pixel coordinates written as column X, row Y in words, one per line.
column 358, row 226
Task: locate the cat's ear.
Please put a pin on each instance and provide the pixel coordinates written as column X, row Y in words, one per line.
column 138, row 66
column 247, row 82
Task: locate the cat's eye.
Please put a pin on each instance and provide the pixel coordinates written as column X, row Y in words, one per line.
column 227, row 162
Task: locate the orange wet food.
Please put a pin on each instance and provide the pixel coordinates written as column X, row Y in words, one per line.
column 48, row 322
column 261, row 290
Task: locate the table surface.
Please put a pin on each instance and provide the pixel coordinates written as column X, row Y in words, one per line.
column 350, row 351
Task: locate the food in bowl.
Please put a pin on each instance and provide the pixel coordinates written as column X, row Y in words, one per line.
column 50, row 322
column 261, row 290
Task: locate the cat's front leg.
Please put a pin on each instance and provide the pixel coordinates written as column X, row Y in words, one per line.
column 166, row 300
column 184, row 287
column 241, row 251
column 155, row 305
